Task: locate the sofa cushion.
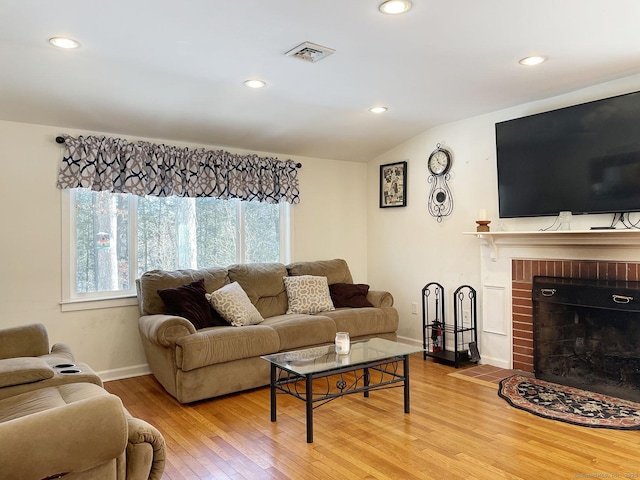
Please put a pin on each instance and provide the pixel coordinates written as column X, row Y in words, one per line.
column 336, row 271
column 234, row 305
column 43, row 399
column 364, row 321
column 150, row 282
column 224, row 344
column 189, row 301
column 300, row 330
column 263, row 284
column 349, row 295
column 308, row 294
column 20, row 370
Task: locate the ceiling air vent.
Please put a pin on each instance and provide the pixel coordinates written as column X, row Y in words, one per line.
column 310, row 52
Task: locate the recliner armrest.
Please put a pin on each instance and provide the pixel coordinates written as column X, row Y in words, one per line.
column 71, row 438
column 21, row 370
column 164, row 330
column 62, row 350
column 60, row 353
column 146, row 451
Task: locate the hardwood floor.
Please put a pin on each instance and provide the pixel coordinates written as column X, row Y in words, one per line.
column 457, row 429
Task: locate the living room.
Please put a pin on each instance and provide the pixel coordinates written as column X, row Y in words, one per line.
column 394, row 249
column 322, row 228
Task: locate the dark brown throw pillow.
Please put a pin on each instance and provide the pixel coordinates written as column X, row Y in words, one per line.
column 349, row 295
column 188, row 301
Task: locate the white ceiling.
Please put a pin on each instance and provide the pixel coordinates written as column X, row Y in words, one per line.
column 174, row 69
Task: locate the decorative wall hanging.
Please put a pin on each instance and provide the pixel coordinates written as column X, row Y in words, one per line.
column 393, row 185
column 440, row 198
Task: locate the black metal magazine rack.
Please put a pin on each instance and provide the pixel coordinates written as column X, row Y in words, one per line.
column 455, row 342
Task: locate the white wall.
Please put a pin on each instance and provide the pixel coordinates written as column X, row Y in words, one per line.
column 330, row 222
column 408, row 248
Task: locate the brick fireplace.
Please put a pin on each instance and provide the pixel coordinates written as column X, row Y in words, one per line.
column 522, row 273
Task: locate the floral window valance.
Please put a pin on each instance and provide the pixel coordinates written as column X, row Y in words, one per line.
column 142, row 168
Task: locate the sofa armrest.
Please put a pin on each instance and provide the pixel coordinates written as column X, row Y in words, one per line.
column 70, row 438
column 146, row 451
column 164, row 330
column 379, row 298
column 24, row 341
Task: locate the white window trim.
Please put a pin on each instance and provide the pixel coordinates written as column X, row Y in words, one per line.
column 240, row 215
column 77, row 301
column 286, row 217
column 74, row 302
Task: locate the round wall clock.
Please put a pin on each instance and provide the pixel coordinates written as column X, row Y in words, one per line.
column 439, row 161
column 440, row 198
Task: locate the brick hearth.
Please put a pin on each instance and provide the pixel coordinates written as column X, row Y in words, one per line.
column 523, row 271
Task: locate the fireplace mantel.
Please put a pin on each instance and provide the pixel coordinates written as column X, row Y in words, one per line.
column 562, row 238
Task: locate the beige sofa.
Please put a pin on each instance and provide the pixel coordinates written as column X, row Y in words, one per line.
column 198, row 364
column 54, row 423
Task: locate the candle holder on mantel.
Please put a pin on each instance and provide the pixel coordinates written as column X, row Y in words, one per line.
column 483, row 225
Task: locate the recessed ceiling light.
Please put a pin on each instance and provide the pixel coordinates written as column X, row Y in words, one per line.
column 254, row 83
column 378, row 109
column 535, row 60
column 62, row 42
column 394, row 7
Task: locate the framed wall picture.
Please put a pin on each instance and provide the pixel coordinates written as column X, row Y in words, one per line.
column 393, row 185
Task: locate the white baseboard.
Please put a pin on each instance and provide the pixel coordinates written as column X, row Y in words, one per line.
column 496, row 362
column 410, row 341
column 138, row 370
column 126, row 372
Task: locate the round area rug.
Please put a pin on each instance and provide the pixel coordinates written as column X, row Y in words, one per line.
column 568, row 404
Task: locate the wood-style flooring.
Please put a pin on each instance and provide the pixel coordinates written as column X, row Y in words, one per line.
column 457, row 429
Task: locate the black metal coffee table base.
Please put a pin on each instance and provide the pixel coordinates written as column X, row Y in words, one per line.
column 367, row 376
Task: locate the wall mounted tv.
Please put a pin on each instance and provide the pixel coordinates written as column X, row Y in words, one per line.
column 583, row 159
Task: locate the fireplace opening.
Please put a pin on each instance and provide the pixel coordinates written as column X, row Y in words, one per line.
column 586, row 334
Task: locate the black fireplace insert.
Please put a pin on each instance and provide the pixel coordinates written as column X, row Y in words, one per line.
column 586, row 334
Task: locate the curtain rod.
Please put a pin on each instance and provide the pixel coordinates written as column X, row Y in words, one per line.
column 60, row 140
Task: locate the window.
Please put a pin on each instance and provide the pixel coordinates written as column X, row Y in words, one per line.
column 114, row 238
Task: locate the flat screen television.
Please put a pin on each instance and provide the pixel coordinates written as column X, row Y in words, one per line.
column 582, row 159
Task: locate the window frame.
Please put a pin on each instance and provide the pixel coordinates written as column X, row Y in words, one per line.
column 73, row 301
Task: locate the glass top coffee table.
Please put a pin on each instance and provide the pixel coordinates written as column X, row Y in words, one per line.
column 372, row 364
